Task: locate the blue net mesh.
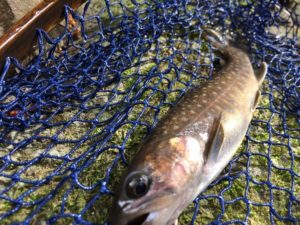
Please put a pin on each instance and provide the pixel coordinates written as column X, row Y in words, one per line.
column 72, row 119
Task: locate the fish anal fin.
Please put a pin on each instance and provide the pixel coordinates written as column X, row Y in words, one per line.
column 256, row 100
column 215, row 145
column 261, row 72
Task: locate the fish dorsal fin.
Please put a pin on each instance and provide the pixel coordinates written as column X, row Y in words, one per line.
column 256, row 100
column 216, row 143
column 261, row 72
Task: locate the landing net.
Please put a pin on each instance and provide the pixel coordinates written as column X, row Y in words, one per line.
column 73, row 117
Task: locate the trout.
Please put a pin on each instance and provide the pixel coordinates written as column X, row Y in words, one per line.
column 191, row 146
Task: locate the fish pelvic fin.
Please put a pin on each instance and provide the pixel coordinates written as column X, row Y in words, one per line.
column 217, row 140
column 261, row 72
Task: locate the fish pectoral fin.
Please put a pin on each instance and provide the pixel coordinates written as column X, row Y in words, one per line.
column 261, row 72
column 215, row 147
column 256, row 100
column 175, row 222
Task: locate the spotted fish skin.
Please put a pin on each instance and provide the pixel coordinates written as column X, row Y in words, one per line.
column 192, row 144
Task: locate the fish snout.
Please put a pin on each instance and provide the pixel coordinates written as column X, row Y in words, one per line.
column 135, row 219
column 155, row 208
column 119, row 217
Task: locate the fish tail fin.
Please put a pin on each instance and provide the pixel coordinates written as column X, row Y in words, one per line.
column 220, row 41
column 214, row 38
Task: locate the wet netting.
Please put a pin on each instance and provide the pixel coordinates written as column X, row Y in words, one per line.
column 74, row 117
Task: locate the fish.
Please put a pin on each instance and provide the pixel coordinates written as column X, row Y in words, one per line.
column 192, row 144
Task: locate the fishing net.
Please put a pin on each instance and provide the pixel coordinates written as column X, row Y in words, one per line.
column 73, row 118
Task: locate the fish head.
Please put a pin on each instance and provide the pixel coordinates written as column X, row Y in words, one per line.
column 152, row 192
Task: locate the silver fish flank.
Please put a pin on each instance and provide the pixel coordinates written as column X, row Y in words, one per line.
column 191, row 146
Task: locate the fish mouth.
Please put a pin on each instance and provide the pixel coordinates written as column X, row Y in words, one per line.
column 130, row 206
column 139, row 220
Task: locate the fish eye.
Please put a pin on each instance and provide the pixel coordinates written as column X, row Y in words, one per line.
column 137, row 185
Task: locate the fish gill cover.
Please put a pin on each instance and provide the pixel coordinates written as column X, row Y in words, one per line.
column 73, row 117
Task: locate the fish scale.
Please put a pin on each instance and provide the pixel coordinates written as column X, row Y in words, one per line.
column 202, row 100
column 191, row 146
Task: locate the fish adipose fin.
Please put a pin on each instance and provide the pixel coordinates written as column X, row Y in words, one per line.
column 256, row 100
column 261, row 72
column 217, row 141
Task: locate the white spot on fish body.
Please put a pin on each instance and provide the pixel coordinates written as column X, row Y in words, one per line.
column 240, row 85
column 176, row 127
column 227, row 102
column 185, row 119
column 212, row 110
column 160, row 145
column 218, row 107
